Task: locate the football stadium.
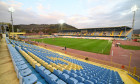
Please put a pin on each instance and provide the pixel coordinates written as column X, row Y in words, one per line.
column 81, row 56
column 35, row 49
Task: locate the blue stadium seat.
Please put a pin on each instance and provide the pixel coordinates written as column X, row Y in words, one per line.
column 40, row 69
column 21, row 67
column 72, row 81
column 64, row 76
column 20, row 63
column 30, row 79
column 57, row 72
column 73, row 71
column 73, row 75
column 88, row 82
column 101, row 82
column 79, row 74
column 38, row 82
column 80, row 79
column 51, row 78
column 66, row 71
column 80, row 83
column 25, row 72
column 58, row 82
column 46, row 72
column 93, row 80
column 41, row 81
column 86, row 77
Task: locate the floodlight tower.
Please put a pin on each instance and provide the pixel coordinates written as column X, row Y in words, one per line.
column 61, row 23
column 133, row 9
column 11, row 10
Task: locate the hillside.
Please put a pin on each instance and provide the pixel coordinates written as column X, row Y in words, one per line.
column 46, row 28
column 137, row 31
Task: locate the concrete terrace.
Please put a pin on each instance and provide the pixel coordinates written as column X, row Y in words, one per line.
column 7, row 71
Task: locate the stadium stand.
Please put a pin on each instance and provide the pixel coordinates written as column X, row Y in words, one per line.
column 114, row 32
column 40, row 66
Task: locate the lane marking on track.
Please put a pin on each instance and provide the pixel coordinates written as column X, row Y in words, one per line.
column 124, row 55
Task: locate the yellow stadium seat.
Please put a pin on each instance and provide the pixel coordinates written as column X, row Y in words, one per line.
column 35, row 57
column 80, row 66
column 51, row 63
column 49, row 66
column 59, row 64
column 38, row 64
column 54, row 65
column 61, row 68
column 68, row 68
column 73, row 67
column 51, row 69
column 46, row 65
column 64, row 66
column 77, row 68
column 34, row 63
column 30, row 53
column 69, row 65
column 29, row 59
column 40, row 60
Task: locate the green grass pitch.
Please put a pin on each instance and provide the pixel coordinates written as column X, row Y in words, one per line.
column 130, row 47
column 89, row 45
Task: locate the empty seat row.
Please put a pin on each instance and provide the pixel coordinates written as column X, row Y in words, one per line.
column 25, row 72
column 59, row 69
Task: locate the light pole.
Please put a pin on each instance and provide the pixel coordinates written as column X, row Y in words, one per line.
column 11, row 10
column 61, row 23
column 133, row 9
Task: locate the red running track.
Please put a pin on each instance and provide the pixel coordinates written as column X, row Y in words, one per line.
column 120, row 55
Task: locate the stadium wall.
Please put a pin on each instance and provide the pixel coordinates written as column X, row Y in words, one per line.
column 129, row 36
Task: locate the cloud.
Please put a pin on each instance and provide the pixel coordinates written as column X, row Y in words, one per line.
column 12, row 3
column 102, row 14
column 40, row 7
column 29, row 8
column 22, row 16
column 117, row 14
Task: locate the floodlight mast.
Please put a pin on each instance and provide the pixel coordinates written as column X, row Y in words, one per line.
column 133, row 9
column 11, row 10
column 61, row 23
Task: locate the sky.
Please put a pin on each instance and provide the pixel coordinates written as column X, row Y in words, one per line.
column 78, row 13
